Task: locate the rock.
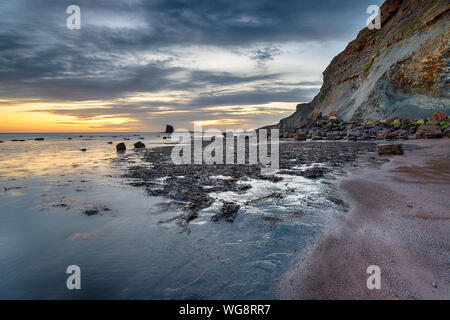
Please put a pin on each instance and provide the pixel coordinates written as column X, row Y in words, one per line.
column 353, row 134
column 1, row 141
column 386, row 134
column 438, row 116
column 139, row 145
column 110, row 142
column 39, row 139
column 300, row 137
column 314, row 172
column 169, row 129
column 69, row 138
column 316, row 138
column 434, row 284
column 91, row 211
column 390, row 149
column 334, row 136
column 121, row 147
column 228, row 212
column 83, row 150
column 446, row 132
column 429, row 132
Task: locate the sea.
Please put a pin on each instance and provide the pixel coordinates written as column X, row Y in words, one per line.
column 133, row 248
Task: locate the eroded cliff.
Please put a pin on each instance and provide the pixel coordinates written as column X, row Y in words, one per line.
column 401, row 70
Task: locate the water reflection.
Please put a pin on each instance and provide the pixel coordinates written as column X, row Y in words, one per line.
column 125, row 251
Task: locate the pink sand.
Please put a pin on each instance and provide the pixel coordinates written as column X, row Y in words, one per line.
column 399, row 220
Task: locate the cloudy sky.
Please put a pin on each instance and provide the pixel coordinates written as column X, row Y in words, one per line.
column 136, row 65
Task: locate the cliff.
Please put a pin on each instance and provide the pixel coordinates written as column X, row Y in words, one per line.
column 401, row 70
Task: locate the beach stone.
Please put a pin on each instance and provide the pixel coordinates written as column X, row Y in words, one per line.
column 385, row 134
column 139, row 145
column 316, row 138
column 446, row 132
column 429, row 132
column 300, row 137
column 353, row 134
column 438, row 116
column 390, row 149
column 334, row 136
column 83, row 150
column 121, row 147
column 228, row 212
column 39, row 139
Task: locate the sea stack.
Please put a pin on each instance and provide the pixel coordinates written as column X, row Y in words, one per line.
column 169, row 129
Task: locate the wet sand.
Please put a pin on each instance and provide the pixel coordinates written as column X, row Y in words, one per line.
column 399, row 219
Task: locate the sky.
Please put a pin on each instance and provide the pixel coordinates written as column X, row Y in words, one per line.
column 137, row 65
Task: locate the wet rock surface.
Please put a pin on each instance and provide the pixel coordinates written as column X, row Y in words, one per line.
column 390, row 149
column 228, row 212
column 189, row 186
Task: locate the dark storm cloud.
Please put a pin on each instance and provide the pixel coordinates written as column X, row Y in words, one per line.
column 40, row 57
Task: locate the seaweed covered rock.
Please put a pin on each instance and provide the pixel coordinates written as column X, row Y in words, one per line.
column 169, row 129
column 228, row 212
column 429, row 132
column 390, row 149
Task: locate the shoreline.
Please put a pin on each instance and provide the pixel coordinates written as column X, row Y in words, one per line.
column 398, row 220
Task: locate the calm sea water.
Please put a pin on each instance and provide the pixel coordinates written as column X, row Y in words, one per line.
column 134, row 249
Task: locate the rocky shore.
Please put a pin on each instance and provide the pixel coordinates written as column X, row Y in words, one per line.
column 190, row 186
column 332, row 128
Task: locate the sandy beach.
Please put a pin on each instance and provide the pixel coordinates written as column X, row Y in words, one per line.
column 398, row 220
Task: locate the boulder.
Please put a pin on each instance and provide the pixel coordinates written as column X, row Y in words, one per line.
column 390, row 149
column 228, row 212
column 353, row 134
column 429, row 132
column 386, row 134
column 169, row 129
column 334, row 136
column 121, row 147
column 438, row 116
column 446, row 132
column 139, row 145
column 300, row 137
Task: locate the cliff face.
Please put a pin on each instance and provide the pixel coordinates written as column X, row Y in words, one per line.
column 401, row 70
